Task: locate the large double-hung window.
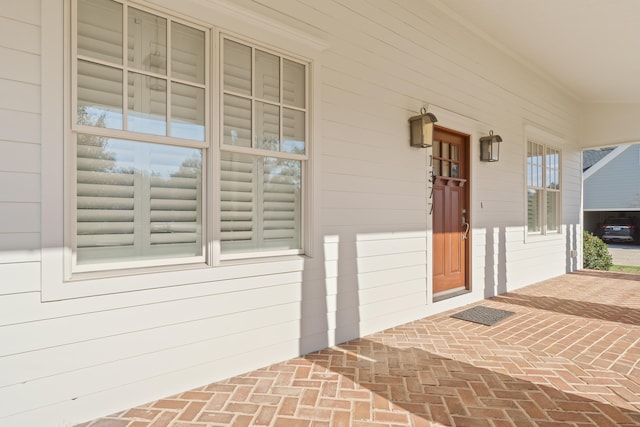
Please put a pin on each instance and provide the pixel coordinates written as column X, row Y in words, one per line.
column 141, row 142
column 543, row 189
column 139, row 131
column 264, row 150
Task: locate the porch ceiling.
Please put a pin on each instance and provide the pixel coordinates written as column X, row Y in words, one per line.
column 589, row 47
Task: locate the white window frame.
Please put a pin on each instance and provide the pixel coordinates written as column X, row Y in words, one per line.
column 73, row 271
column 546, row 141
column 55, row 91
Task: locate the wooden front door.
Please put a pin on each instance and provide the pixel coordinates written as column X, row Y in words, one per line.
column 450, row 214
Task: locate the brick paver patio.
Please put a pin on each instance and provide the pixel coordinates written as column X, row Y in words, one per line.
column 569, row 356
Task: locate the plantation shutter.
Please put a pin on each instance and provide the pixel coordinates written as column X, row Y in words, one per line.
column 106, row 206
column 260, row 203
column 238, row 202
column 175, row 217
column 281, row 212
column 105, row 197
column 136, row 200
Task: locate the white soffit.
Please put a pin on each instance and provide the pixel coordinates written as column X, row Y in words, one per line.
column 589, row 47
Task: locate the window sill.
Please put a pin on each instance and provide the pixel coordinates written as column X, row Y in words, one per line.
column 165, row 279
column 539, row 238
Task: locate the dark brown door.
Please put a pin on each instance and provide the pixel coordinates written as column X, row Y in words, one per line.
column 450, row 212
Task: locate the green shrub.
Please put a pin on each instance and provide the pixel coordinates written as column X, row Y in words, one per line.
column 596, row 254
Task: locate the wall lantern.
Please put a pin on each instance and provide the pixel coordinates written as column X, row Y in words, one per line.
column 421, row 128
column 490, row 147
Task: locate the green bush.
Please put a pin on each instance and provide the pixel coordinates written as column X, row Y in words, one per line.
column 596, row 254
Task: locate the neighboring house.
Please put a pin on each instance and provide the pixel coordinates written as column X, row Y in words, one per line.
column 591, row 157
column 611, row 184
column 195, row 189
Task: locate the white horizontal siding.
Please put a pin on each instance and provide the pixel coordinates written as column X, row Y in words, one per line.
column 18, row 126
column 19, row 187
column 120, row 372
column 27, row 308
column 67, row 412
column 19, row 277
column 20, row 247
column 19, row 157
column 25, row 67
column 19, row 217
column 19, row 96
column 93, row 353
column 19, row 145
column 27, row 11
column 32, row 336
column 29, row 40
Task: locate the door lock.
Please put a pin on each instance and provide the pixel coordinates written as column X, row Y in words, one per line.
column 465, row 224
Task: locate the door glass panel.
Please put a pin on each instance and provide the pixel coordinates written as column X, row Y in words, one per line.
column 455, row 153
column 436, row 167
column 445, row 168
column 455, row 170
column 436, row 148
column 445, row 151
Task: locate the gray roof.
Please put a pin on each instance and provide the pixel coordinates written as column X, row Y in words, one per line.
column 591, row 157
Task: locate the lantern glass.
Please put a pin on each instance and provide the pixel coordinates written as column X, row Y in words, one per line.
column 490, row 148
column 421, row 128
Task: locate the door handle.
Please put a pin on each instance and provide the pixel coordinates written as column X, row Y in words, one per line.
column 466, row 226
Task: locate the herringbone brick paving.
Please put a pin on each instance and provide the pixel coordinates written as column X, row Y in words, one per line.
column 570, row 356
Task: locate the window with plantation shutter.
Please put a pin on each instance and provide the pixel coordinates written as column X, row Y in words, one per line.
column 263, row 151
column 260, row 203
column 139, row 144
column 139, row 137
column 136, row 200
column 543, row 189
